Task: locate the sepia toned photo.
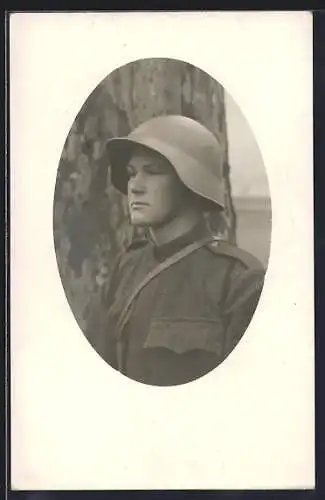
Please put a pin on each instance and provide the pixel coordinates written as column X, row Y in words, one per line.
column 161, row 251
column 162, row 245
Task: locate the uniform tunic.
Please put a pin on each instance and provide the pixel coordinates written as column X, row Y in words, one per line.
column 187, row 319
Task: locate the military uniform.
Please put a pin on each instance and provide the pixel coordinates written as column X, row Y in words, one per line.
column 188, row 317
column 176, row 311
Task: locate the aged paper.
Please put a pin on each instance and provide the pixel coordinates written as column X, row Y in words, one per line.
column 77, row 424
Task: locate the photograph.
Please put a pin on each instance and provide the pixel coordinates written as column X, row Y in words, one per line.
column 162, row 248
column 161, row 253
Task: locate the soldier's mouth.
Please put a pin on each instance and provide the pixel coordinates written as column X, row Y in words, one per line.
column 138, row 204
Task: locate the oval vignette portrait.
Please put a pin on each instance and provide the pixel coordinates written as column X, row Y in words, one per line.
column 162, row 221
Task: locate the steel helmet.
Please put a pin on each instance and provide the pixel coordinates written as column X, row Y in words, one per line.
column 192, row 150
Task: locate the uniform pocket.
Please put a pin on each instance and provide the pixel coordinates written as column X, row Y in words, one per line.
column 184, row 335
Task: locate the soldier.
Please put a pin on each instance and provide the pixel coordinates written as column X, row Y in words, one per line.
column 180, row 299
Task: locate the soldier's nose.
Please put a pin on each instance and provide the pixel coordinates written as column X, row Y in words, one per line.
column 137, row 184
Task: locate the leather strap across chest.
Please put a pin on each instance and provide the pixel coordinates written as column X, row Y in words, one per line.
column 156, row 271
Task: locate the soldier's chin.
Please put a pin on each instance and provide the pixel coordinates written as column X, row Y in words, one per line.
column 137, row 219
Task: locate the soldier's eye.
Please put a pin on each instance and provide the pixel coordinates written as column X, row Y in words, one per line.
column 155, row 169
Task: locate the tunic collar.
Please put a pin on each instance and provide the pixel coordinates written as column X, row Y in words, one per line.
column 166, row 250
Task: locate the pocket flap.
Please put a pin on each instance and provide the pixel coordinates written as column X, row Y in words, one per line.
column 182, row 336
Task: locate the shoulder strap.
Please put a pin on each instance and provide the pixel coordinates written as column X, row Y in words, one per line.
column 157, row 270
column 224, row 248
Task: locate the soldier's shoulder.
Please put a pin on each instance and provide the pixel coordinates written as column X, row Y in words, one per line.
column 222, row 248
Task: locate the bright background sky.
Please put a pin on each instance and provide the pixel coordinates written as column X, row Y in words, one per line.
column 248, row 174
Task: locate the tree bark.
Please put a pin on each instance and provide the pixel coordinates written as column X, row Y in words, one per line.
column 90, row 216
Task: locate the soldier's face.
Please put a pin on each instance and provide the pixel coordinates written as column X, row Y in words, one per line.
column 155, row 193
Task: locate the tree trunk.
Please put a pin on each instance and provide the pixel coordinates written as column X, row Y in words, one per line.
column 90, row 216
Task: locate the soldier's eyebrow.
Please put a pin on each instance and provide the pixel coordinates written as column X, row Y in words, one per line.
column 156, row 164
column 149, row 164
